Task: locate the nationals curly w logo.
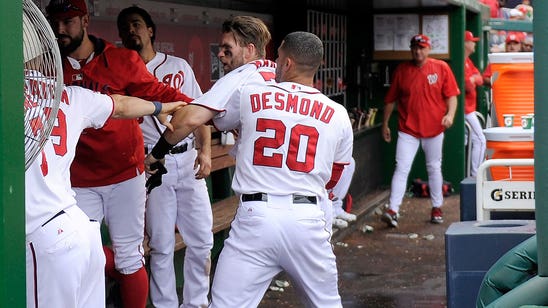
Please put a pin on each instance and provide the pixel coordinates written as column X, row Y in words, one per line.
column 432, row 78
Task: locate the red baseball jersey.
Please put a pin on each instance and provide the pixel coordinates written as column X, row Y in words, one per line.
column 113, row 153
column 421, row 93
column 470, row 87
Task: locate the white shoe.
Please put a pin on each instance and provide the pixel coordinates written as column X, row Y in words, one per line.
column 339, row 223
column 346, row 216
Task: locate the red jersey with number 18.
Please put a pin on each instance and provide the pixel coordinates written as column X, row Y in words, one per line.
column 421, row 93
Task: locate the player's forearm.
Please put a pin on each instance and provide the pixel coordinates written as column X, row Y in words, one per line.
column 127, row 107
column 388, row 108
column 451, row 106
column 184, row 121
column 203, row 138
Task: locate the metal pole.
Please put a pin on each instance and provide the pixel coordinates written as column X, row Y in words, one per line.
column 12, row 206
column 540, row 26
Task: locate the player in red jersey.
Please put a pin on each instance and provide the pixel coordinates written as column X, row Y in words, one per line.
column 107, row 173
column 472, row 79
column 426, row 91
column 182, row 199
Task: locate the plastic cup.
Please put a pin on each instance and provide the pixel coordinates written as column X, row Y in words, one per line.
column 526, row 122
column 508, row 120
column 532, row 119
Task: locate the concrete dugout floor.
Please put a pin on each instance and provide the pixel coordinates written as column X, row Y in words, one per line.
column 403, row 267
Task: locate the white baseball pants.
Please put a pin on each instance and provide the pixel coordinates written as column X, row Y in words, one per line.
column 122, row 205
column 181, row 201
column 65, row 263
column 406, row 150
column 477, row 143
column 267, row 237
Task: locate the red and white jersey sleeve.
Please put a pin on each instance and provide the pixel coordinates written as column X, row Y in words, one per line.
column 176, row 73
column 80, row 108
column 291, row 136
column 227, row 90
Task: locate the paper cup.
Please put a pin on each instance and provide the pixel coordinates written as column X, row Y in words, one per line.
column 526, row 122
column 508, row 120
column 532, row 115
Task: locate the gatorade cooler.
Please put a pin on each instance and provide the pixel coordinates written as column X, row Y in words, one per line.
column 510, row 142
column 512, row 85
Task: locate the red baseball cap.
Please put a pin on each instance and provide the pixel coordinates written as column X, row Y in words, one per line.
column 513, row 37
column 63, row 9
column 420, row 40
column 468, row 36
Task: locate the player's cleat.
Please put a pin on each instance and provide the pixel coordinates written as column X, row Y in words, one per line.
column 390, row 217
column 346, row 216
column 437, row 216
column 339, row 223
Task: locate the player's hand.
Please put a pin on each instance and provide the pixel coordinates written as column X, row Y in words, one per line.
column 386, row 134
column 203, row 163
column 149, row 160
column 447, row 121
column 155, row 180
column 168, row 109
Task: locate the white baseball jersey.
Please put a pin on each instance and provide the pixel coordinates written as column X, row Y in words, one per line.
column 298, row 134
column 229, row 89
column 65, row 262
column 182, row 201
column 174, row 72
column 290, row 137
column 75, row 113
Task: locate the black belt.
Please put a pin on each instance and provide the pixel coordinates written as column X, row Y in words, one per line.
column 175, row 150
column 54, row 216
column 264, row 197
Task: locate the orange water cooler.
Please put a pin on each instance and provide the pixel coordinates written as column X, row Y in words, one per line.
column 510, row 142
column 512, row 85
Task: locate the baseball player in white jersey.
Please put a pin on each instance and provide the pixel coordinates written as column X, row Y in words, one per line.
column 293, row 144
column 65, row 260
column 182, row 199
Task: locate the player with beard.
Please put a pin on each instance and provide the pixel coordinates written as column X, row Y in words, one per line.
column 181, row 200
column 107, row 172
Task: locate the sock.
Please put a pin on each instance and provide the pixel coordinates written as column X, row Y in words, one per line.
column 110, row 269
column 348, row 203
column 134, row 289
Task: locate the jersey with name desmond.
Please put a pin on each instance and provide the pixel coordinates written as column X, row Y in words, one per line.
column 291, row 137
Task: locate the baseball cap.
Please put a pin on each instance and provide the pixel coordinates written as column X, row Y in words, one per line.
column 420, row 40
column 468, row 36
column 63, row 9
column 513, row 37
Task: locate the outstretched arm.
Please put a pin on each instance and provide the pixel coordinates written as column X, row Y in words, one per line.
column 127, row 107
column 185, row 121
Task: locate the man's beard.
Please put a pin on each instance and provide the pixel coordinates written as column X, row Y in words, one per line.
column 133, row 44
column 74, row 43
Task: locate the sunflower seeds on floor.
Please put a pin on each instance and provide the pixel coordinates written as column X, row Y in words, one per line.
column 282, row 283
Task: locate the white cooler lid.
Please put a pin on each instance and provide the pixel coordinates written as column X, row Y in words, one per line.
column 509, row 134
column 511, row 57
